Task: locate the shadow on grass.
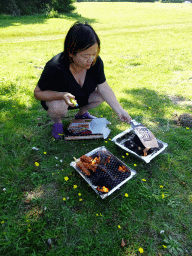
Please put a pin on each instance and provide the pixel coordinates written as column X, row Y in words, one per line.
column 7, row 20
column 148, row 102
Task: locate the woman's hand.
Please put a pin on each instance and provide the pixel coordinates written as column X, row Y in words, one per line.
column 67, row 96
column 124, row 116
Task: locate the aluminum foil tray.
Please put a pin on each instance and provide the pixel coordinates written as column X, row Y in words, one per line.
column 125, row 136
column 111, row 177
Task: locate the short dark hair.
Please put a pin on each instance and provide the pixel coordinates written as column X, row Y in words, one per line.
column 80, row 37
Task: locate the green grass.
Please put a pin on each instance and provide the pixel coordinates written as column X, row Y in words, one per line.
column 146, row 50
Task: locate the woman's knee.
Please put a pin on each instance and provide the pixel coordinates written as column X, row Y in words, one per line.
column 57, row 107
column 96, row 97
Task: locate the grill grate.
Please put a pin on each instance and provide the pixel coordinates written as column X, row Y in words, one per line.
column 107, row 173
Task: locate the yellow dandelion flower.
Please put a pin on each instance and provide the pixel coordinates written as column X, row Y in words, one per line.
column 66, row 178
column 164, row 246
column 2, row 221
column 119, row 226
column 143, row 179
column 101, row 116
column 80, row 199
column 127, row 154
column 123, row 156
column 44, row 153
column 163, row 195
column 135, row 164
column 109, row 139
column 97, row 214
column 187, row 128
column 74, row 186
column 101, row 214
column 160, row 186
column 126, row 195
column 141, row 250
column 106, row 141
column 64, row 199
column 36, row 164
column 79, row 194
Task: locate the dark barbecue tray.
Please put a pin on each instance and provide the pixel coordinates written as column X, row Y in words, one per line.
column 107, row 174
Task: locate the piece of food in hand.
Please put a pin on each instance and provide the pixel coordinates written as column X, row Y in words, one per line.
column 102, row 189
column 83, row 168
column 74, row 102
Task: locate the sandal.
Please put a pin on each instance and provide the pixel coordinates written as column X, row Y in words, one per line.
column 57, row 131
column 86, row 115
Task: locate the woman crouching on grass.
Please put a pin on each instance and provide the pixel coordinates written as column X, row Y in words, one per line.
column 76, row 73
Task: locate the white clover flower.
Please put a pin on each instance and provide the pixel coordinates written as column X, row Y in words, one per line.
column 162, row 231
column 34, row 148
column 4, row 189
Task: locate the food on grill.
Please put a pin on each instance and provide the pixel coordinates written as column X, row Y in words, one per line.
column 145, row 151
column 87, row 164
column 96, row 160
column 107, row 160
column 123, row 169
column 83, row 168
column 102, row 189
column 86, row 159
column 92, row 167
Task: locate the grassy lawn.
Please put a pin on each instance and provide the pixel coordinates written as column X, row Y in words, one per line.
column 147, row 54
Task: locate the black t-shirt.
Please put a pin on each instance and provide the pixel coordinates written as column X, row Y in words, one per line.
column 56, row 76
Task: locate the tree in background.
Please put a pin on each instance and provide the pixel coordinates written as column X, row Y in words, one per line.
column 29, row 7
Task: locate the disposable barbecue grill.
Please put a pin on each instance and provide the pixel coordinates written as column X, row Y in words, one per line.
column 107, row 174
column 130, row 142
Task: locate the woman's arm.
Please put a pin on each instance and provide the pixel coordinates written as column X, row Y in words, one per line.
column 53, row 95
column 108, row 95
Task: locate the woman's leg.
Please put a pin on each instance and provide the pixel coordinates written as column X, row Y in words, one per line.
column 57, row 110
column 95, row 99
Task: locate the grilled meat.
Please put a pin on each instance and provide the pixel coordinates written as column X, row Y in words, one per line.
column 83, row 168
column 123, row 169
